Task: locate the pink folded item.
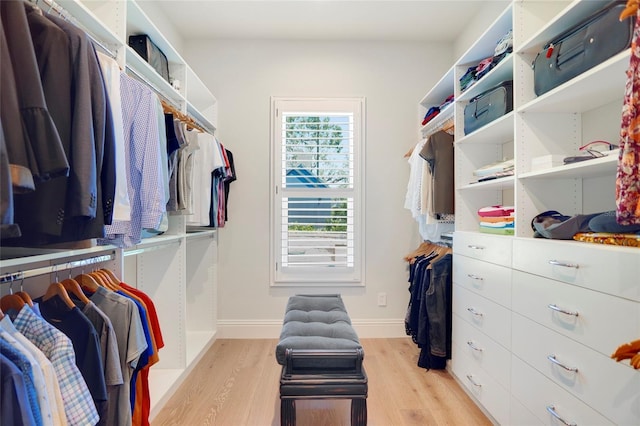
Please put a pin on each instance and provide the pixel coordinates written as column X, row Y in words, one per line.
column 492, row 211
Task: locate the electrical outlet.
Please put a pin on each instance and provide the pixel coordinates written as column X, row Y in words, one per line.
column 382, row 299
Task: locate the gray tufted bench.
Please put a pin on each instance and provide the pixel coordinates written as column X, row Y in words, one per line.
column 321, row 356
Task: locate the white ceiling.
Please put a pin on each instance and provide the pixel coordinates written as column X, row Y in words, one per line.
column 397, row 20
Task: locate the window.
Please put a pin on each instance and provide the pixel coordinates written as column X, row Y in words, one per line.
column 317, row 176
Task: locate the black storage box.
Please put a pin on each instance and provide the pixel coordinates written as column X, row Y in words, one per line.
column 583, row 46
column 488, row 106
column 144, row 47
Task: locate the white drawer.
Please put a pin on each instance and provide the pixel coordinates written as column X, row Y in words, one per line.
column 483, row 351
column 603, row 322
column 609, row 269
column 489, row 317
column 490, row 248
column 493, row 397
column 538, row 394
column 596, row 379
column 487, row 279
column 521, row 416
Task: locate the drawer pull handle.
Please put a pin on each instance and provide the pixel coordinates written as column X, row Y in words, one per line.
column 474, row 312
column 562, row 311
column 475, row 277
column 564, row 264
column 475, row 247
column 473, row 382
column 552, row 410
column 473, row 346
column 554, row 360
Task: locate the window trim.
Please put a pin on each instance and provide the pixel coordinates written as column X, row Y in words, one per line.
column 309, row 277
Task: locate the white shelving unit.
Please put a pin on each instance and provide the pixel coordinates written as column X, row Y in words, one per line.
column 489, row 144
column 558, row 122
column 178, row 269
column 503, row 285
column 436, row 96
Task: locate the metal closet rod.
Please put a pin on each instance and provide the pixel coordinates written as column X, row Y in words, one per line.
column 66, row 15
column 166, row 98
column 13, row 276
column 153, row 87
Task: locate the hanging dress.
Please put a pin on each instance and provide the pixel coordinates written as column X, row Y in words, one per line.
column 628, row 174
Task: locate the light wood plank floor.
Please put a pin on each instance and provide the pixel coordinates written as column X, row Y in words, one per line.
column 236, row 384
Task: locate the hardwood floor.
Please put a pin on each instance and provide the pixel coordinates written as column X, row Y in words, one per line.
column 236, row 384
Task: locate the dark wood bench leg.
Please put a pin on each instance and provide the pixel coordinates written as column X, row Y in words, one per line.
column 287, row 412
column 358, row 412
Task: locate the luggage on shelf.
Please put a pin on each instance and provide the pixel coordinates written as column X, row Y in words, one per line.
column 488, row 106
column 144, row 47
column 583, row 46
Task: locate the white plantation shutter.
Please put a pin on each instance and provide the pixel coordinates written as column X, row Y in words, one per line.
column 317, row 218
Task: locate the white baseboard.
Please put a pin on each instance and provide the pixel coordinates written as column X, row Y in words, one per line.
column 270, row 329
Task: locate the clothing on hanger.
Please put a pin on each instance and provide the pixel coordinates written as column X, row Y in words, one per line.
column 628, row 173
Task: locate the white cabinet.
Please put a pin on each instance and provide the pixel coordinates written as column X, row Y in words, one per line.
column 608, row 269
column 487, row 248
column 547, row 401
column 538, row 307
column 481, row 330
column 599, row 320
column 480, row 384
column 179, row 273
column 588, row 375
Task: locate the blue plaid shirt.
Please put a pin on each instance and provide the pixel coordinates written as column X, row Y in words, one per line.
column 57, row 347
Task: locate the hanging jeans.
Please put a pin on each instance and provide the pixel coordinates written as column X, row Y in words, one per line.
column 438, row 303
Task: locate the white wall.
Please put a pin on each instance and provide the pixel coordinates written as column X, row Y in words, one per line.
column 490, row 10
column 243, row 75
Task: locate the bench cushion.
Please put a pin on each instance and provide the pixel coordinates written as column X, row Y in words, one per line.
column 316, row 322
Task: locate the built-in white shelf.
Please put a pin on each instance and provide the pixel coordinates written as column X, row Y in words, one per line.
column 600, row 85
column 493, row 184
column 496, row 132
column 574, row 13
column 584, row 169
column 501, row 72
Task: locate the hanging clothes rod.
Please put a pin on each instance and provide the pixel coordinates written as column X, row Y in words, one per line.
column 205, row 127
column 104, row 48
column 153, row 87
column 166, row 99
column 441, row 122
column 139, row 250
column 65, row 15
column 14, row 276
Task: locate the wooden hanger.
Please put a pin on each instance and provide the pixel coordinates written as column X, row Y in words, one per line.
column 87, row 282
column 112, row 277
column 99, row 279
column 25, row 296
column 57, row 289
column 408, row 153
column 426, row 248
column 190, row 122
column 104, row 280
column 72, row 286
column 630, row 10
column 448, row 126
column 11, row 301
column 441, row 251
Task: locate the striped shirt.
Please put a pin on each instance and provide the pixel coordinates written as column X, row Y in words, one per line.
column 144, row 173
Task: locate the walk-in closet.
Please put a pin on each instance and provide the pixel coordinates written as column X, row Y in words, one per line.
column 173, row 172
